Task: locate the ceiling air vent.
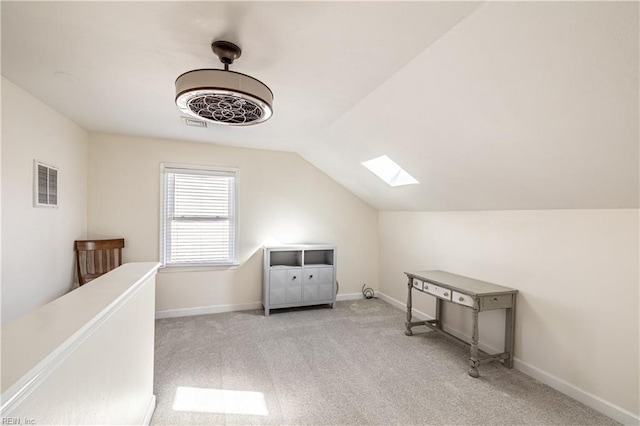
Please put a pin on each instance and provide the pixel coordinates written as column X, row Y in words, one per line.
column 193, row 122
column 45, row 185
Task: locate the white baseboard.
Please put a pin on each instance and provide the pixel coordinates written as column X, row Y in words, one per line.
column 217, row 309
column 401, row 305
column 618, row 414
column 613, row 411
column 349, row 296
column 150, row 409
column 205, row 310
column 421, row 316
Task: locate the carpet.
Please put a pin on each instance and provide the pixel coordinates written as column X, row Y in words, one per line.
column 351, row 365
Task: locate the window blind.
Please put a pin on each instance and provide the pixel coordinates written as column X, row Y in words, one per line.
column 199, row 216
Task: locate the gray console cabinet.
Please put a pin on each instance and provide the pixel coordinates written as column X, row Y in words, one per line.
column 299, row 275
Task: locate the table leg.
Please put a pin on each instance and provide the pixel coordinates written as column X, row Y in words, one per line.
column 509, row 332
column 408, row 331
column 474, row 360
column 439, row 313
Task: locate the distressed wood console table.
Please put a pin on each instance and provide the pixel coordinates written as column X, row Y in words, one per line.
column 473, row 294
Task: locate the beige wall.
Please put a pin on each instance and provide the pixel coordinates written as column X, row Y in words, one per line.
column 577, row 272
column 37, row 243
column 281, row 196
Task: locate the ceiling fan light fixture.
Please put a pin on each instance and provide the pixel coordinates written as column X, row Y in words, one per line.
column 223, row 96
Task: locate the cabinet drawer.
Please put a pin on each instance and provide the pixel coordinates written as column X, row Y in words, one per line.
column 441, row 292
column 462, row 299
column 495, row 302
column 417, row 284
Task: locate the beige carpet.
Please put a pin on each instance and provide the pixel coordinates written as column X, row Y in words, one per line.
column 351, row 365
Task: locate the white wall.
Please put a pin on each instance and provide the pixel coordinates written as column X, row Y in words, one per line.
column 89, row 358
column 577, row 272
column 37, row 243
column 281, row 196
column 1, row 196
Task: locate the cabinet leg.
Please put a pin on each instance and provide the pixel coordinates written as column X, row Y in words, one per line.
column 474, row 361
column 439, row 313
column 266, row 312
column 408, row 331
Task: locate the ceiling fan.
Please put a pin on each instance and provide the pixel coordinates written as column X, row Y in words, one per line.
column 223, row 96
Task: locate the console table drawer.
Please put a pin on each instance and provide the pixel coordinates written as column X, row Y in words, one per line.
column 462, row 299
column 441, row 292
column 417, row 284
column 495, row 302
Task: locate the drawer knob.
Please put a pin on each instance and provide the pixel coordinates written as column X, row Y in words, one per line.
column 446, row 294
column 461, row 299
column 294, row 277
column 310, row 276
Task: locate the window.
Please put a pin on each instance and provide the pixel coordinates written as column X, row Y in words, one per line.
column 199, row 216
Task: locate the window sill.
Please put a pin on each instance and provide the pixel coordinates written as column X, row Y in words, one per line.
column 197, row 268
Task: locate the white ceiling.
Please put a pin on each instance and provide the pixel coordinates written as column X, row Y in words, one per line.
column 490, row 106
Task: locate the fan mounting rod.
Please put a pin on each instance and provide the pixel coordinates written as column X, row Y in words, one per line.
column 226, row 51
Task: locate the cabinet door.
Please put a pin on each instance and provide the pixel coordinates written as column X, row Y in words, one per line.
column 309, row 275
column 325, row 275
column 317, row 284
column 285, row 286
column 309, row 284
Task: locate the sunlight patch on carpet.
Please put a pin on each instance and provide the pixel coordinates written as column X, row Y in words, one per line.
column 203, row 400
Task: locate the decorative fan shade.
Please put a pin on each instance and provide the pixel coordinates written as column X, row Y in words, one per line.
column 223, row 96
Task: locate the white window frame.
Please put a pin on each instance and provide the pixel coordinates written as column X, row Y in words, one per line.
column 165, row 168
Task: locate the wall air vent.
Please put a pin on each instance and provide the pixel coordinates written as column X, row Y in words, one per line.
column 45, row 185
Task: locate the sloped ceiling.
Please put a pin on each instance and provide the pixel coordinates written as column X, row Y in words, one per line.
column 489, row 105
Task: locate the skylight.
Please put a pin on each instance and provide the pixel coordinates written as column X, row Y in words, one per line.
column 387, row 170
